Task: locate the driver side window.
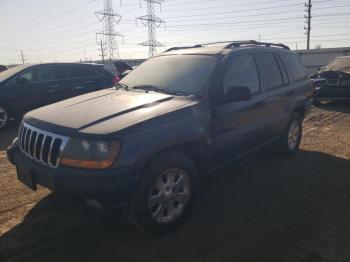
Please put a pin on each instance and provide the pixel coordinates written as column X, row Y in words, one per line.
column 242, row 72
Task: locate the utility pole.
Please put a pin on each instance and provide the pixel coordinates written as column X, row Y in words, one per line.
column 151, row 21
column 109, row 34
column 22, row 57
column 308, row 22
column 102, row 51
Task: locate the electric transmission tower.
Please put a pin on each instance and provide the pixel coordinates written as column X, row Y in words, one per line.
column 152, row 22
column 308, row 23
column 107, row 38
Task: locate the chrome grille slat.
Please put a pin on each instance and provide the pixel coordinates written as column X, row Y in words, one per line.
column 34, row 150
column 50, row 151
column 41, row 150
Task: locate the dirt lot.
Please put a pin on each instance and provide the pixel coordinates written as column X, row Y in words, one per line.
column 263, row 208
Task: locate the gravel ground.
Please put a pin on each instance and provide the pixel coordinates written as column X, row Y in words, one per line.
column 263, row 208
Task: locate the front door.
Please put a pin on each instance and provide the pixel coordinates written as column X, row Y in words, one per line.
column 237, row 126
column 37, row 91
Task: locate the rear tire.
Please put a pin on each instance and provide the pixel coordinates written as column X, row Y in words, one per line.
column 4, row 117
column 289, row 142
column 166, row 194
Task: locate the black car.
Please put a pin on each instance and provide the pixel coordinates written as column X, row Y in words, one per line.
column 146, row 143
column 333, row 81
column 26, row 87
column 3, row 68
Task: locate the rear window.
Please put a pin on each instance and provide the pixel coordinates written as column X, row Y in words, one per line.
column 294, row 67
column 271, row 71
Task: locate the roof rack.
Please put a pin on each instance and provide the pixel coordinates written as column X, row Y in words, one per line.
column 181, row 47
column 231, row 44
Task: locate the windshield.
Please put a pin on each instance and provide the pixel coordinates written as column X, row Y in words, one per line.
column 186, row 74
column 11, row 71
column 340, row 63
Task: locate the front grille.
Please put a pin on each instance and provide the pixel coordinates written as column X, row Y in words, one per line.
column 42, row 146
column 345, row 82
column 338, row 82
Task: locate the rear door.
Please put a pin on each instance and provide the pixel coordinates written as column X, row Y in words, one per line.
column 86, row 79
column 277, row 91
column 237, row 126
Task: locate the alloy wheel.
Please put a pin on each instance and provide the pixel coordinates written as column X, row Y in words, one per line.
column 169, row 195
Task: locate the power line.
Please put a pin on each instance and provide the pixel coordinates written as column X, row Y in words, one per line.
column 54, row 17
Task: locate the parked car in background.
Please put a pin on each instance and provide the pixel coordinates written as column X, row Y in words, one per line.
column 332, row 82
column 117, row 68
column 3, row 68
column 145, row 143
column 26, row 87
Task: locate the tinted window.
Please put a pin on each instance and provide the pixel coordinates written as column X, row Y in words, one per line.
column 28, row 75
column 294, row 66
column 242, row 72
column 62, row 72
column 44, row 74
column 271, row 71
column 283, row 70
column 79, row 71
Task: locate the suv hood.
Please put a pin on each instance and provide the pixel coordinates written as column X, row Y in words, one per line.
column 104, row 112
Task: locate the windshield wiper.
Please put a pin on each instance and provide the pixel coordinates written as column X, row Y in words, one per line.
column 159, row 90
column 121, row 85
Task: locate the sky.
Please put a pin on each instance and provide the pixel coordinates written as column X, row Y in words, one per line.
column 65, row 30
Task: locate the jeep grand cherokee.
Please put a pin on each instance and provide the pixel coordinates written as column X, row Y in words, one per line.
column 146, row 142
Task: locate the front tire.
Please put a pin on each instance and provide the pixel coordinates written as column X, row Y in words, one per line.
column 166, row 194
column 290, row 140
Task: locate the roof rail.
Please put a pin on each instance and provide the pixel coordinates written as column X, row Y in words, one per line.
column 256, row 43
column 231, row 44
column 181, row 47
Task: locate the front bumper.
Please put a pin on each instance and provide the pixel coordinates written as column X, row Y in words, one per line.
column 110, row 187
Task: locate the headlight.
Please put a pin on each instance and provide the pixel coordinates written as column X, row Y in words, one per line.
column 84, row 153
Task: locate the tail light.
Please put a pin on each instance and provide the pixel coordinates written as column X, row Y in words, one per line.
column 115, row 79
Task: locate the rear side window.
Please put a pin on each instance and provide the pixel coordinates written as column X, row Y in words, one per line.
column 62, row 72
column 242, row 72
column 45, row 74
column 81, row 71
column 294, row 67
column 271, row 71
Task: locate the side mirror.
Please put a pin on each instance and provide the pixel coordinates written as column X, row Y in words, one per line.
column 21, row 81
column 237, row 93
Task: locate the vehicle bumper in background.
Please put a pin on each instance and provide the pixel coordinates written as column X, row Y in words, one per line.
column 110, row 188
column 332, row 93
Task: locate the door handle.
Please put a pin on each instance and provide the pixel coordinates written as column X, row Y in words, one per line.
column 79, row 87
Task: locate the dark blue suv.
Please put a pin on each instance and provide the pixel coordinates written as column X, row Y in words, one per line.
column 145, row 143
